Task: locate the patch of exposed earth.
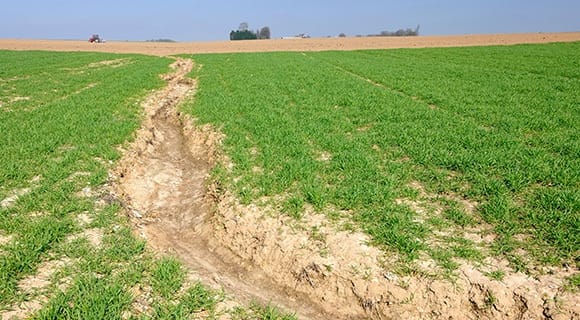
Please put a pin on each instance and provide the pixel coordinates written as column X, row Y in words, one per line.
column 310, row 267
column 34, row 287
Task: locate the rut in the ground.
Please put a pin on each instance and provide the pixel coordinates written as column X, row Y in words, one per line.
column 256, row 256
column 163, row 186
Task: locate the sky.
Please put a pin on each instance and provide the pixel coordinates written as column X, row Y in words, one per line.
column 191, row 20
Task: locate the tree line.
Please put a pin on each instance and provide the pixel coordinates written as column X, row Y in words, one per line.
column 399, row 33
column 244, row 33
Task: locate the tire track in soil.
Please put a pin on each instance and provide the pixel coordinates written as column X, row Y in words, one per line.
column 162, row 184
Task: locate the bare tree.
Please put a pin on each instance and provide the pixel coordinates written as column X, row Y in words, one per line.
column 244, row 27
column 264, row 33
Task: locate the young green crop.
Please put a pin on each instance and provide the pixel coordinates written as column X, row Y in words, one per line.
column 62, row 118
column 358, row 131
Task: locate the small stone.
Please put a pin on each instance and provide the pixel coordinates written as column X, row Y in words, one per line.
column 390, row 276
column 137, row 214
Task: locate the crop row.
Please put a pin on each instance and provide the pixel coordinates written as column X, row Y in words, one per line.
column 355, row 131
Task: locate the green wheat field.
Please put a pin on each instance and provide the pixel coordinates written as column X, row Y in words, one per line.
column 487, row 139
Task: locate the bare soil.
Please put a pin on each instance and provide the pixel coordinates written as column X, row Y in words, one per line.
column 162, row 180
column 310, row 267
column 313, row 44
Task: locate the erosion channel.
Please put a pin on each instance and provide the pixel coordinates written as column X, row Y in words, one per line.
column 258, row 255
column 162, row 181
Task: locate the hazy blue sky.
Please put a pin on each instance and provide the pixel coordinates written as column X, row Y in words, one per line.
column 192, row 20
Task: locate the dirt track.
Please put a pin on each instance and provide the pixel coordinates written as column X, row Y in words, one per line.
column 320, row 44
column 162, row 183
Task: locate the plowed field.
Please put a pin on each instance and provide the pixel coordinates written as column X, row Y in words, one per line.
column 289, row 44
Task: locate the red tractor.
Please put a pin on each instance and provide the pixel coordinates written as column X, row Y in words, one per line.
column 95, row 39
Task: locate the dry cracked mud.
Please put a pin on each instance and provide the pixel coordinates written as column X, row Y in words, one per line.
column 255, row 254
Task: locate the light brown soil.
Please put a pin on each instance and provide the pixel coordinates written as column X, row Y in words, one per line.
column 319, row 44
column 310, row 267
column 34, row 286
column 162, row 181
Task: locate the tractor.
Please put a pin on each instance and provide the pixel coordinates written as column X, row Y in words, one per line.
column 95, row 39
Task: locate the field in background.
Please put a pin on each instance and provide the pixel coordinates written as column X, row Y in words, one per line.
column 454, row 154
column 313, row 44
